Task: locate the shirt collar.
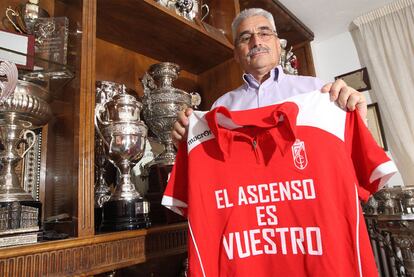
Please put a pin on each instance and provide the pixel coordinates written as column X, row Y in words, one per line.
column 278, row 120
column 276, row 74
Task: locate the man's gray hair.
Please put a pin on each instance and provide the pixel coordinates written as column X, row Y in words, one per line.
column 249, row 13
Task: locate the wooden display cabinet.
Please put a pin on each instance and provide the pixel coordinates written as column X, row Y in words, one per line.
column 117, row 41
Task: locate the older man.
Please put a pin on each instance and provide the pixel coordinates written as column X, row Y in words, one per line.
column 257, row 50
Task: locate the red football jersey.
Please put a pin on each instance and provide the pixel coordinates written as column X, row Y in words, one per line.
column 274, row 191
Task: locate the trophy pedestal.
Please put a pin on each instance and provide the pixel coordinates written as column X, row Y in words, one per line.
column 98, row 217
column 158, row 179
column 119, row 215
column 20, row 222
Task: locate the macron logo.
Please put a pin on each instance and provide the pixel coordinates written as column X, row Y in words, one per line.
column 204, row 134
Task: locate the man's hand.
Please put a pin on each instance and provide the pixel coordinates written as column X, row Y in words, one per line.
column 179, row 131
column 347, row 97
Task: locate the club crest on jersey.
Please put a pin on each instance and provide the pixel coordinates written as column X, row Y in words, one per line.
column 299, row 154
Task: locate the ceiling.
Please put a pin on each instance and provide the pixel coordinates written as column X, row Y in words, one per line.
column 327, row 18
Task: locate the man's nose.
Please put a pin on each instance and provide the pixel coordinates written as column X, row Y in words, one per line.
column 255, row 40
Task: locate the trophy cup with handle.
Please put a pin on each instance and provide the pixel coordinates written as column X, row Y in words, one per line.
column 162, row 102
column 118, row 123
column 24, row 106
column 105, row 90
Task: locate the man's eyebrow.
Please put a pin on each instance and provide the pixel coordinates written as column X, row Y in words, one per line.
column 260, row 28
column 244, row 32
column 264, row 28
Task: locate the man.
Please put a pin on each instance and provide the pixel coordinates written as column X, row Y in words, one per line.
column 257, row 50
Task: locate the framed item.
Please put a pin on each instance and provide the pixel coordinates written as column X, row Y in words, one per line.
column 357, row 79
column 375, row 125
column 17, row 48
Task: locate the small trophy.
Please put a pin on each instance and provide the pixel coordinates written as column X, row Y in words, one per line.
column 189, row 9
column 162, row 102
column 23, row 16
column 118, row 123
column 288, row 60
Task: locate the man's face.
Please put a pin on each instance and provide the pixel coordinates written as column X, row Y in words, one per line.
column 257, row 55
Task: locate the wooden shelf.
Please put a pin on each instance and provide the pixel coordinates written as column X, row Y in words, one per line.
column 95, row 254
column 287, row 24
column 148, row 28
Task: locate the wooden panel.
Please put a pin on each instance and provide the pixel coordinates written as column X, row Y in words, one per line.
column 93, row 255
column 154, row 31
column 86, row 141
column 130, row 67
column 218, row 81
column 303, row 52
column 222, row 14
column 288, row 25
column 168, row 266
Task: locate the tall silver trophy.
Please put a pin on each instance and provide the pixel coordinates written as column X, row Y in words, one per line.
column 24, row 106
column 105, row 90
column 118, row 123
column 162, row 102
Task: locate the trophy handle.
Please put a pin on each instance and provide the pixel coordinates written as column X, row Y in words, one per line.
column 25, row 140
column 8, row 69
column 18, row 23
column 195, row 99
column 205, row 6
column 97, row 117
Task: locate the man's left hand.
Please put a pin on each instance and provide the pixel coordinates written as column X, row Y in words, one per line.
column 347, row 97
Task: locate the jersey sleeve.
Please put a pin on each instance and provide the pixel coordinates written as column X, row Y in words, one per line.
column 372, row 166
column 176, row 193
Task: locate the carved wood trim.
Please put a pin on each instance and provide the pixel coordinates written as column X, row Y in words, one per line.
column 86, row 125
column 93, row 255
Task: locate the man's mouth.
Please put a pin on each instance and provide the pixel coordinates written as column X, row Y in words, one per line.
column 257, row 51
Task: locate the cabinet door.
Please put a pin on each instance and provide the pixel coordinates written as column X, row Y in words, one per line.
column 64, row 164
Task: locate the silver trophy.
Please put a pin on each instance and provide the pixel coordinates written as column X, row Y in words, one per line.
column 288, row 60
column 105, row 90
column 189, row 9
column 389, row 214
column 118, row 123
column 162, row 102
column 24, row 106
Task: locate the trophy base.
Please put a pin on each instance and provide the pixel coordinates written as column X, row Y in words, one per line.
column 158, row 179
column 20, row 222
column 119, row 215
column 98, row 217
column 22, row 238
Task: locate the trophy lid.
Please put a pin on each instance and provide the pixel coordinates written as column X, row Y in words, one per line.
column 123, row 107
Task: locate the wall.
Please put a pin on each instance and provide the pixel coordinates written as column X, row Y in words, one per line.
column 336, row 56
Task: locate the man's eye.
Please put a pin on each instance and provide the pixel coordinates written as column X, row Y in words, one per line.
column 265, row 34
column 244, row 38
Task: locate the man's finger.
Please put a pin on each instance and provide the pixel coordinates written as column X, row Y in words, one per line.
column 336, row 89
column 327, row 87
column 343, row 96
column 188, row 111
column 353, row 100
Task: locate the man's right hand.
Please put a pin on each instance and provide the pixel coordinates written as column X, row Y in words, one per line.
column 179, row 131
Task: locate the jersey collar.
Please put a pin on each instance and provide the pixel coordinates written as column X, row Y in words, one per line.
column 278, row 120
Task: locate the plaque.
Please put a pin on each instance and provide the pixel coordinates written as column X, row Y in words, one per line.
column 51, row 39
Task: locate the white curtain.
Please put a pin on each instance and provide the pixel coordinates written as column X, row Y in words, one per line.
column 384, row 39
